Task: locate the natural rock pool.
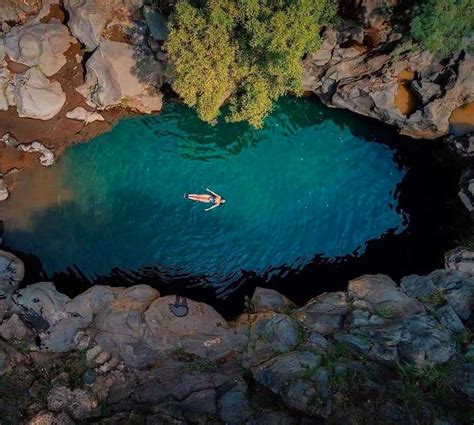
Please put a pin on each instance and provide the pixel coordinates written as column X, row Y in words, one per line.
column 313, row 190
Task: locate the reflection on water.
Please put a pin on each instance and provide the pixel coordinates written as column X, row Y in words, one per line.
column 303, row 186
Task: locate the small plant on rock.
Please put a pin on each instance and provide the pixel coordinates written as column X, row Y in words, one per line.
column 436, row 298
column 385, row 312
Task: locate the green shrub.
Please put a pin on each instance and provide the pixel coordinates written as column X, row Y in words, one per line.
column 440, row 25
column 247, row 52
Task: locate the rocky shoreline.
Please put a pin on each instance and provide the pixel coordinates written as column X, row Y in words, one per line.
column 377, row 353
column 69, row 70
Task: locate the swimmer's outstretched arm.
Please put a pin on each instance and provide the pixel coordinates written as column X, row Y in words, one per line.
column 214, row 193
column 210, row 208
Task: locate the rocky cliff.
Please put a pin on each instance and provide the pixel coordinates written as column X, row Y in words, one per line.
column 380, row 352
column 365, row 65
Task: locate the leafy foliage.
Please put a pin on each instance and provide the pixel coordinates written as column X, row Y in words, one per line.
column 440, row 25
column 246, row 51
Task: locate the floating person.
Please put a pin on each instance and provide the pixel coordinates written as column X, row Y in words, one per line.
column 213, row 198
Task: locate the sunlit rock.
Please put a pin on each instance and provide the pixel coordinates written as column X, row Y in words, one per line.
column 46, row 157
column 80, row 114
column 88, row 18
column 39, row 44
column 120, row 74
column 35, row 96
column 4, row 79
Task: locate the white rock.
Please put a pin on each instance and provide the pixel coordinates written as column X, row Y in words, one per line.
column 39, row 44
column 35, row 96
column 116, row 75
column 2, row 51
column 4, row 79
column 9, row 140
column 88, row 18
column 47, row 155
column 80, row 114
column 3, row 190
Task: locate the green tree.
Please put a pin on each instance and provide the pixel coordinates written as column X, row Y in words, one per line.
column 440, row 25
column 247, row 52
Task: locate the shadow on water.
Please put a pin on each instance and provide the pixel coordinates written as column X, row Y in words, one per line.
column 427, row 194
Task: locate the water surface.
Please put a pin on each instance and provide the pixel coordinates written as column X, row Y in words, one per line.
column 304, row 186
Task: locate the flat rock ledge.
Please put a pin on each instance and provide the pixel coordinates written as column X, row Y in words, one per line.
column 380, row 352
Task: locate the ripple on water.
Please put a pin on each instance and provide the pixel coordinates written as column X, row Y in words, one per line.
column 305, row 185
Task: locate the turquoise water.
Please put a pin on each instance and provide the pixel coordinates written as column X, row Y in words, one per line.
column 305, row 185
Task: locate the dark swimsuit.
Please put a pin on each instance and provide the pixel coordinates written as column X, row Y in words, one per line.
column 212, row 200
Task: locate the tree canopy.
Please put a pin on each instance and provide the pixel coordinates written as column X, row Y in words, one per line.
column 247, row 52
column 440, row 25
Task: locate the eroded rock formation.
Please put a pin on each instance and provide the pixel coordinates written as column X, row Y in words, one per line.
column 362, row 62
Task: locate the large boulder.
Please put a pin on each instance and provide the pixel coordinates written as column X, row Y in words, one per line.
column 457, row 288
column 265, row 299
column 12, row 272
column 88, row 18
column 120, row 74
column 202, row 331
column 18, row 11
column 39, row 44
column 4, row 79
column 35, row 96
column 324, row 314
column 270, row 334
column 118, row 323
column 276, row 373
column 233, row 404
column 380, row 295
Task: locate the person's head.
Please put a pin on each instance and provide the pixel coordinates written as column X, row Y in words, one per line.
column 222, row 201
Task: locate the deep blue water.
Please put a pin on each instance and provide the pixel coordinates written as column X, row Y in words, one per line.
column 303, row 186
